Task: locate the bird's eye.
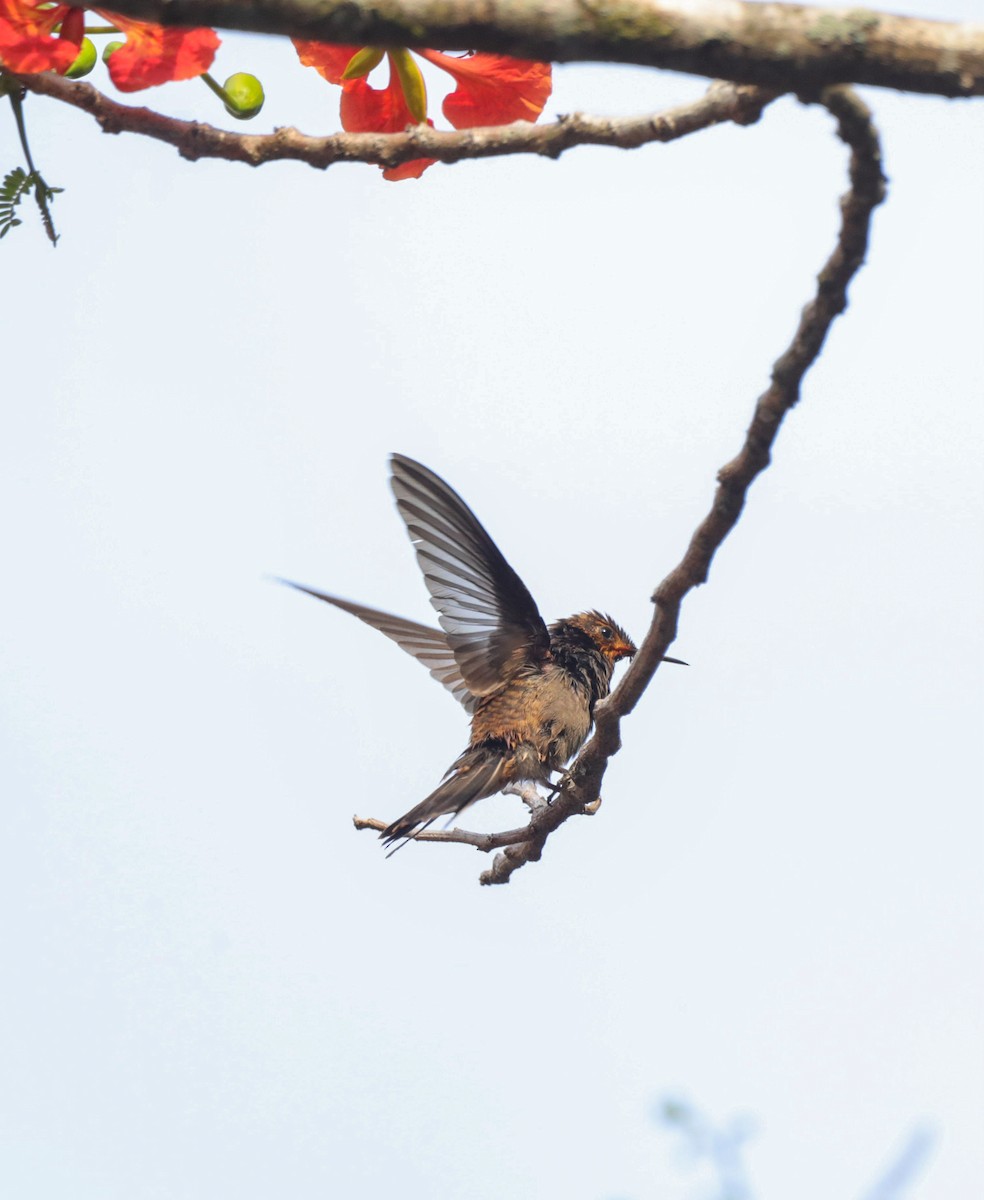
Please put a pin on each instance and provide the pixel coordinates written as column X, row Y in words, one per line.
column 607, row 634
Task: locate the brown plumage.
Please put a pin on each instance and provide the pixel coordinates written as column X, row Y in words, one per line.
column 531, row 689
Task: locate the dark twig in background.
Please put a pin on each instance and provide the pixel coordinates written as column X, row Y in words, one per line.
column 194, row 140
column 582, row 795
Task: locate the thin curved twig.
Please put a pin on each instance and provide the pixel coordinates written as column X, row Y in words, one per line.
column 463, row 837
column 194, row 139
column 867, row 190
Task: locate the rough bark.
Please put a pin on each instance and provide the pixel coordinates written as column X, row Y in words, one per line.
column 195, row 140
column 786, row 46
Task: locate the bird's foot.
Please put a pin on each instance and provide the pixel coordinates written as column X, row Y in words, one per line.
column 565, row 781
column 528, row 793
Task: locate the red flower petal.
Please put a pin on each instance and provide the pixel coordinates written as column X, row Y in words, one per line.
column 408, row 170
column 367, row 109
column 153, row 54
column 328, row 60
column 27, row 44
column 492, row 89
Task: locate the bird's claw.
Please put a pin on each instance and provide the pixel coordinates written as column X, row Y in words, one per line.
column 562, row 783
column 527, row 792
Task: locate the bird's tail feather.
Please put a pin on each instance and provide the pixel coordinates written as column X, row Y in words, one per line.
column 475, row 775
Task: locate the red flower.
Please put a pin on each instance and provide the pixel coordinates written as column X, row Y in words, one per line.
column 150, row 55
column 154, row 54
column 366, row 109
column 28, row 43
column 491, row 90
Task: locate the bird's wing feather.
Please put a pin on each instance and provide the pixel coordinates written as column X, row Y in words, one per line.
column 428, row 646
column 491, row 621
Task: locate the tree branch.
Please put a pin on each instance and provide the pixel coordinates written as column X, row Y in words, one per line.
column 784, row 46
column 867, row 190
column 194, row 140
column 463, row 837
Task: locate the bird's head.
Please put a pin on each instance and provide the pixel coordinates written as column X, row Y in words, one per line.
column 608, row 637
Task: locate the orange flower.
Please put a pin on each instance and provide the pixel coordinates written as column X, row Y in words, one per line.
column 491, row 90
column 150, row 55
column 28, row 43
column 154, row 54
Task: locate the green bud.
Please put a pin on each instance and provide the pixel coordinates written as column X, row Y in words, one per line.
column 110, row 48
column 85, row 62
column 362, row 62
column 244, row 96
column 411, row 81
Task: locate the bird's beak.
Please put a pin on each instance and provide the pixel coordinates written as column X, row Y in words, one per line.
column 623, row 650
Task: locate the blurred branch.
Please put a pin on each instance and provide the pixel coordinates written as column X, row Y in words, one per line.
column 719, row 1146
column 903, row 1170
column 784, row 46
column 193, row 140
column 867, row 190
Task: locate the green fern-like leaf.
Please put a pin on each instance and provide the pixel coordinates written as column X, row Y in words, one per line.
column 16, row 184
column 45, row 195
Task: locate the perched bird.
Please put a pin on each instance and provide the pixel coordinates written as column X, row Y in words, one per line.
column 531, row 689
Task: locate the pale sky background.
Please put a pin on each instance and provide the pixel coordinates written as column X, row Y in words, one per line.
column 214, row 987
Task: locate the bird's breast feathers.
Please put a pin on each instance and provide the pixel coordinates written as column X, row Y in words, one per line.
column 548, row 708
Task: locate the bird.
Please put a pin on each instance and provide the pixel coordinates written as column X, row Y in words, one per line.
column 530, row 688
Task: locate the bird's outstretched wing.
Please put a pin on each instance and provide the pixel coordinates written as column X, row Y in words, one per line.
column 429, row 646
column 491, row 621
